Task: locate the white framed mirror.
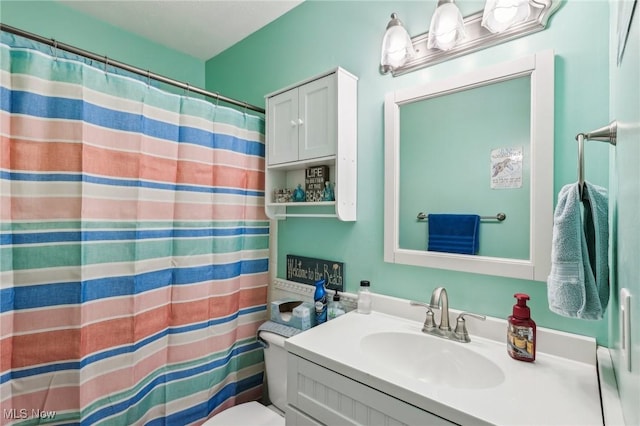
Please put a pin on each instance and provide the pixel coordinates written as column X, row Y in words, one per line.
column 443, row 141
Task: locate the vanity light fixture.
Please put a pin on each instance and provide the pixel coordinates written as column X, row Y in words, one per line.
column 505, row 20
column 447, row 26
column 396, row 46
column 499, row 15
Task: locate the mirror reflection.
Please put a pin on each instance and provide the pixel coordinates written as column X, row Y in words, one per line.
column 468, row 153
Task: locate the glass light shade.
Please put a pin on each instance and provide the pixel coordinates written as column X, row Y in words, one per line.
column 447, row 27
column 397, row 47
column 502, row 14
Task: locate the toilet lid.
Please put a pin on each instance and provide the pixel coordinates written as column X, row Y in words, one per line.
column 250, row 413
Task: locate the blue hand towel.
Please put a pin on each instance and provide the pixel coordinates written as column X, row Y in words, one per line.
column 454, row 233
column 578, row 285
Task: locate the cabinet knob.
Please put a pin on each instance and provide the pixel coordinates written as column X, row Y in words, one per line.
column 293, row 123
column 300, row 122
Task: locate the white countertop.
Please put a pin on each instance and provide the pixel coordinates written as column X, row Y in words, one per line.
column 554, row 390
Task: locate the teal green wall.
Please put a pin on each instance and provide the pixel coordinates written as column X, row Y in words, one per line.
column 55, row 21
column 319, row 35
column 625, row 210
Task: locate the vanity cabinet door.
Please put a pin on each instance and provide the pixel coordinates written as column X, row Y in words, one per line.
column 282, row 133
column 330, row 398
column 297, row 418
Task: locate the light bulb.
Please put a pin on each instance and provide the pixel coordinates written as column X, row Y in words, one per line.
column 505, row 14
column 499, row 15
column 447, row 27
column 397, row 47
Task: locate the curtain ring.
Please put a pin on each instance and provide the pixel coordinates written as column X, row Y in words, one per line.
column 245, row 109
column 106, row 63
column 188, row 89
column 148, row 78
column 217, row 99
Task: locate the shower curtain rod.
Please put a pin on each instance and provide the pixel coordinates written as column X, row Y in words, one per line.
column 145, row 73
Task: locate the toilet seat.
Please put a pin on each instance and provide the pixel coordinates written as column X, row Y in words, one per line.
column 249, row 413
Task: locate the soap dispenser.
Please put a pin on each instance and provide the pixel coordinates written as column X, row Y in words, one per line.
column 521, row 333
column 335, row 308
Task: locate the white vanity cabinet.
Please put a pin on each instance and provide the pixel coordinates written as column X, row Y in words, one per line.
column 319, row 396
column 313, row 123
column 381, row 369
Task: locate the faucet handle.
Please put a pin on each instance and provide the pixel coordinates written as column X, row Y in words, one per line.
column 461, row 334
column 429, row 321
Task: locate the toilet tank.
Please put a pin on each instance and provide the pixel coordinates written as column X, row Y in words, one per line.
column 275, row 360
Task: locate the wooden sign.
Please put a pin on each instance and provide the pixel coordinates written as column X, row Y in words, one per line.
column 307, row 270
column 314, row 180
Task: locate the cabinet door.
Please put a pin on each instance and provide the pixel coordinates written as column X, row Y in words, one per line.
column 317, row 110
column 330, row 398
column 282, row 127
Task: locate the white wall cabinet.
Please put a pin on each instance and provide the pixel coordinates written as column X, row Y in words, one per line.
column 319, row 396
column 310, row 124
column 302, row 122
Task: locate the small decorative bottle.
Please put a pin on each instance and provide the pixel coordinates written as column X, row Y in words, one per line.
column 335, row 307
column 328, row 194
column 298, row 194
column 364, row 298
column 521, row 333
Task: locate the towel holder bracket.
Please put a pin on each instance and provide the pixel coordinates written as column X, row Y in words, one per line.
column 608, row 133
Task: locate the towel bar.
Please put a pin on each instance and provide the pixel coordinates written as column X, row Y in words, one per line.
column 608, row 133
column 499, row 217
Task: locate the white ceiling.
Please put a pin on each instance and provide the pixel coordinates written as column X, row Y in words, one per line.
column 200, row 28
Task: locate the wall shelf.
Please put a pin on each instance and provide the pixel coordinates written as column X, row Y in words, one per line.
column 313, row 123
column 318, row 215
column 302, row 204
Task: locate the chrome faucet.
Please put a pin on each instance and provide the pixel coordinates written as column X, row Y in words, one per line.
column 440, row 300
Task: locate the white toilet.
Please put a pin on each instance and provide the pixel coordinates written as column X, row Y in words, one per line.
column 253, row 413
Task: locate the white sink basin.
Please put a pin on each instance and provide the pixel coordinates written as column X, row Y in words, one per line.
column 432, row 360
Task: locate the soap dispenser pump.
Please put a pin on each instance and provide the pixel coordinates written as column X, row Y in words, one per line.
column 335, row 308
column 521, row 333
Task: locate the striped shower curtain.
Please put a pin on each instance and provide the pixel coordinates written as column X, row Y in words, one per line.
column 133, row 247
